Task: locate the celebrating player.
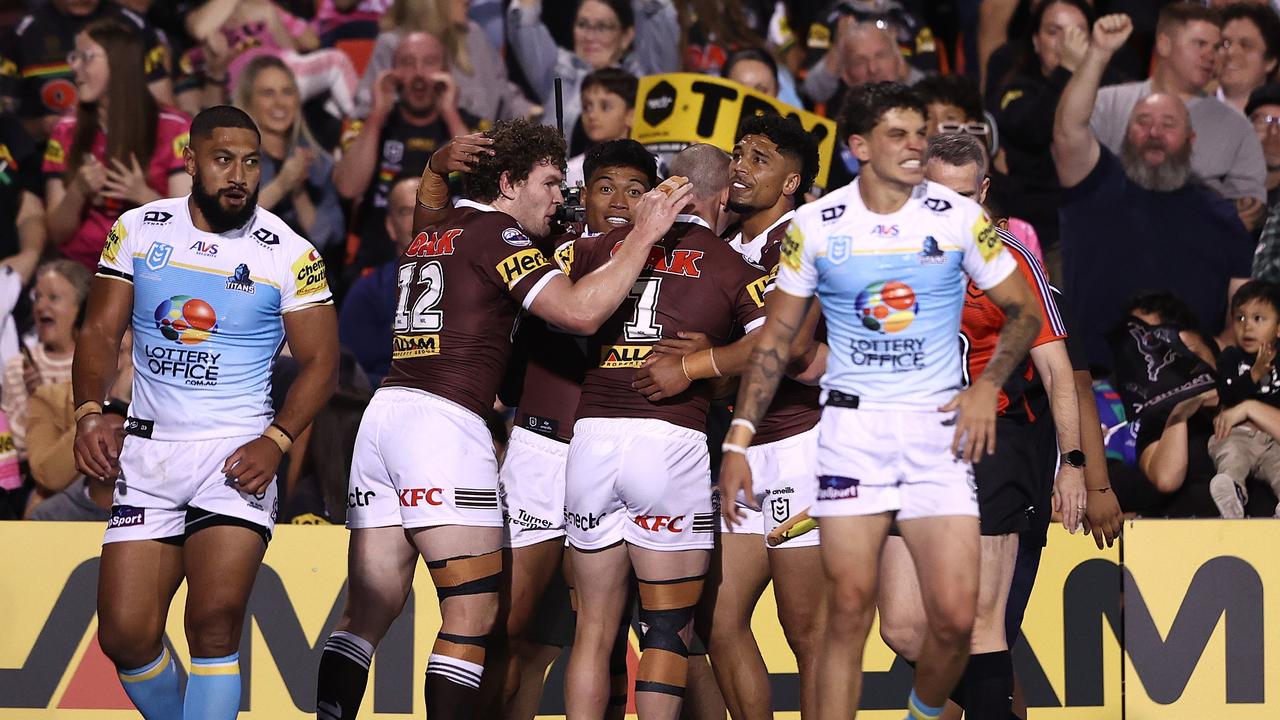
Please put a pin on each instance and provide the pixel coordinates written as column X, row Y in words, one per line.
column 214, row 285
column 424, row 461
column 887, row 256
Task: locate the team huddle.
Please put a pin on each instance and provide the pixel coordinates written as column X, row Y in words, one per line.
column 863, row 412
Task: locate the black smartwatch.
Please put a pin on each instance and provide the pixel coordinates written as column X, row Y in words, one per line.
column 1074, row 458
column 115, row 406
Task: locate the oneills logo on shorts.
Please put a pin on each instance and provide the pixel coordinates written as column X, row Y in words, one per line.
column 516, row 266
column 414, row 346
column 624, row 356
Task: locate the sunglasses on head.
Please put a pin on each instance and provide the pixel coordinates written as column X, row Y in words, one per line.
column 975, row 128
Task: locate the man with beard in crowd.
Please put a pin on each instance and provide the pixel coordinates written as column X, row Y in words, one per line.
column 1139, row 221
column 214, row 285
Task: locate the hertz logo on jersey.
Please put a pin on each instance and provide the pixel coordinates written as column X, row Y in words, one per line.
column 624, row 356
column 414, row 346
column 516, row 266
column 308, row 272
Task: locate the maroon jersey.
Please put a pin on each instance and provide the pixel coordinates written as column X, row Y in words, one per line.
column 795, row 407
column 462, row 283
column 555, row 363
column 693, row 282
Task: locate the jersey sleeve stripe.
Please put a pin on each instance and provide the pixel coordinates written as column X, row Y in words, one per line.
column 1043, row 288
column 113, row 274
column 753, row 325
column 537, row 288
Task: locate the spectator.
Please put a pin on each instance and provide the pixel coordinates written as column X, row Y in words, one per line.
column 119, row 150
column 863, row 53
column 954, row 104
column 366, row 319
column 1023, row 102
column 398, row 137
column 61, row 289
column 234, row 32
column 1227, row 156
column 35, row 69
column 1244, row 442
column 913, row 37
column 479, row 72
column 605, row 33
column 608, row 105
column 1263, row 111
column 758, row 70
column 337, row 20
column 1250, row 48
column 296, row 171
column 22, row 233
column 712, row 30
column 1138, row 221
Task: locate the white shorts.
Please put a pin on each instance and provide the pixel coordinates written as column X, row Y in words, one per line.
column 531, row 486
column 644, row 481
column 873, row 461
column 784, row 478
column 160, row 480
column 422, row 461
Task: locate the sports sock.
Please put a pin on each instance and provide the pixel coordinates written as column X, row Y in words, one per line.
column 454, row 669
column 918, row 710
column 988, row 686
column 153, row 688
column 343, row 675
column 213, row 688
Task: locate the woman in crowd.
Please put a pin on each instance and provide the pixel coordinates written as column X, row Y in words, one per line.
column 484, row 90
column 1250, row 49
column 58, row 298
column 757, row 69
column 295, row 171
column 119, row 150
column 605, row 32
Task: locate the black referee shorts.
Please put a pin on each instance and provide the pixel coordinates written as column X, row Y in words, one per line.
column 1006, row 480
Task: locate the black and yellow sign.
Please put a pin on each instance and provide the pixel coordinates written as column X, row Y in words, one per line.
column 676, row 110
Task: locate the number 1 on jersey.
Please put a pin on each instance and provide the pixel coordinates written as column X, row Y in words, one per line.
column 430, row 282
column 643, row 326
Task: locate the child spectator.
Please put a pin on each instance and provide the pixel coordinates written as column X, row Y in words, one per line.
column 1244, row 441
column 608, row 105
column 119, row 150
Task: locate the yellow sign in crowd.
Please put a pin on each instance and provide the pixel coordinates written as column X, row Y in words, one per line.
column 1195, row 605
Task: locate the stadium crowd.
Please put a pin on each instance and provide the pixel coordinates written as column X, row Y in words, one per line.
column 1139, row 167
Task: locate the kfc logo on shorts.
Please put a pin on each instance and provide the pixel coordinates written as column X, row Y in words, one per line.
column 835, row 487
column 413, row 496
column 123, row 516
column 658, row 523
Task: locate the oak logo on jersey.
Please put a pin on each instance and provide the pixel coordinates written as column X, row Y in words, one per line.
column 404, row 347
column 792, row 247
column 517, row 266
column 241, row 281
column 156, row 217
column 111, row 249
column 756, row 289
column 308, row 273
column 624, row 356
column 672, row 262
column 986, row 238
column 433, row 244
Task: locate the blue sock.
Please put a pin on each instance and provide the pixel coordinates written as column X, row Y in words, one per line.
column 213, row 688
column 918, row 710
column 153, row 688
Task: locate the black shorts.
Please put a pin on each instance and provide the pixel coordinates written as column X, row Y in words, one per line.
column 1006, row 480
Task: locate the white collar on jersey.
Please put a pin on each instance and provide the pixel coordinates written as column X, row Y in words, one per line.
column 463, row 202
column 753, row 249
column 694, row 219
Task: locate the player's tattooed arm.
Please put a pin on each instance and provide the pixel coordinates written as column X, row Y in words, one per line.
column 770, row 357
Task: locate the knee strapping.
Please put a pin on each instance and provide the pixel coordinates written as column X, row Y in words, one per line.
column 666, row 609
column 460, row 658
column 466, row 575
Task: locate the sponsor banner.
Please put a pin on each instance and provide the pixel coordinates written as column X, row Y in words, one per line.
column 676, row 110
column 1197, row 628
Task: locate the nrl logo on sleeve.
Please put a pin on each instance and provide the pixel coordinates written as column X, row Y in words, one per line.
column 156, row 217
column 266, row 237
column 513, row 236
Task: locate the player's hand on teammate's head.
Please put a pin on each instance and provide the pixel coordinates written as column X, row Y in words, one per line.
column 975, row 421
column 460, row 154
column 657, row 209
column 253, row 465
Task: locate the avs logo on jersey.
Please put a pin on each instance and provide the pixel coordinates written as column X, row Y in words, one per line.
column 831, row 214
column 204, row 248
column 937, row 205
column 930, row 253
column 156, row 217
column 158, row 255
column 241, row 281
column 891, row 231
column 266, row 237
column 513, row 236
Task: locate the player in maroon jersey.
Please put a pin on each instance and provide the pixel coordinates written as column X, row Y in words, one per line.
column 424, row 462
column 637, row 491
column 774, row 163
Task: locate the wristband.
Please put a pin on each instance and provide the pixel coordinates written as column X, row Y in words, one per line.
column 711, row 353
column 685, row 368
column 1101, row 489
column 115, row 406
column 744, row 423
column 279, row 436
column 87, row 408
column 729, row 447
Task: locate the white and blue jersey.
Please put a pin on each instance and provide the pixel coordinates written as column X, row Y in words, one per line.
column 892, row 289
column 207, row 316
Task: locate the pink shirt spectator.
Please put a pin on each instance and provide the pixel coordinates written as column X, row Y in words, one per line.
column 171, row 138
column 1026, row 235
column 250, row 40
column 329, row 19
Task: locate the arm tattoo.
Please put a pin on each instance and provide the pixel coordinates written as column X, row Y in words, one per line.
column 768, row 362
column 1019, row 331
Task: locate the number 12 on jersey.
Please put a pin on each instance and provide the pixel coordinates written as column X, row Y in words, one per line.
column 427, row 281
